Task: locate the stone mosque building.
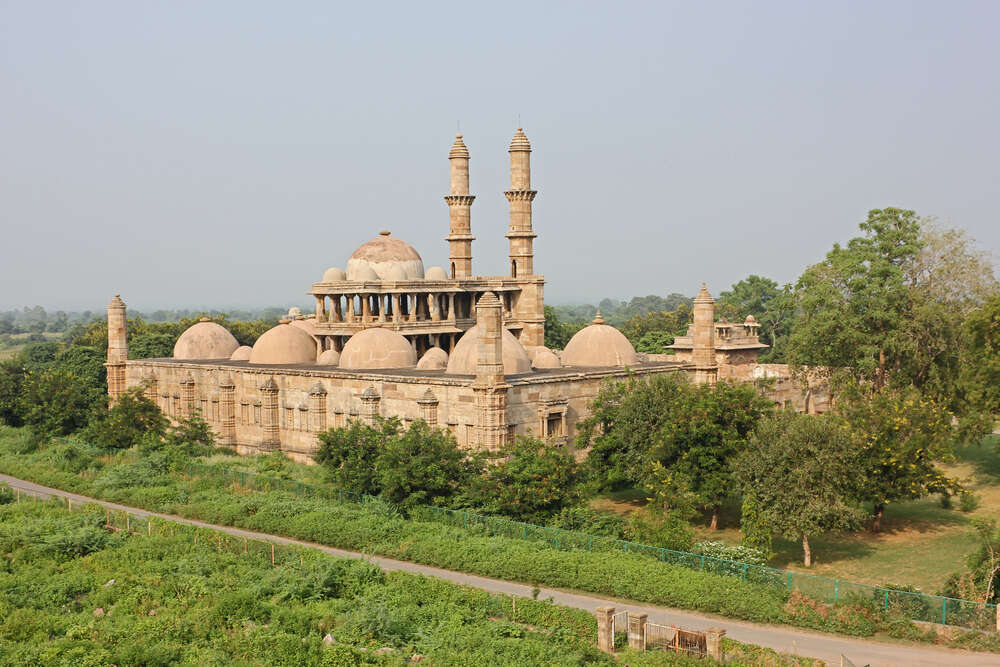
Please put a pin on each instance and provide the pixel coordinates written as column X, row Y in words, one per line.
column 391, row 338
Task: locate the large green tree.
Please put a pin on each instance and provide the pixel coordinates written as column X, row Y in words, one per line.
column 900, row 436
column 55, row 402
column 981, row 367
column 350, row 453
column 797, row 473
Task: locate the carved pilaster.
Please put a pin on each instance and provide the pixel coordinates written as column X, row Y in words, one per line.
column 271, row 437
column 317, row 398
column 227, row 404
column 370, row 401
column 187, row 397
column 429, row 408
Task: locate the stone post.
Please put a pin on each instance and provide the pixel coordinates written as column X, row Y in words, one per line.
column 117, row 348
column 187, row 397
column 605, row 629
column 370, row 405
column 713, row 643
column 459, row 201
column 703, row 353
column 637, row 631
column 429, row 408
column 271, row 437
column 317, row 397
column 490, row 388
column 227, row 405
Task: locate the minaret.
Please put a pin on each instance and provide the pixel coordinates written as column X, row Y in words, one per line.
column 459, row 200
column 117, row 348
column 703, row 334
column 489, row 388
column 520, row 196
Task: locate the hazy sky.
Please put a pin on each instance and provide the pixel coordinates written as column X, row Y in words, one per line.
column 190, row 154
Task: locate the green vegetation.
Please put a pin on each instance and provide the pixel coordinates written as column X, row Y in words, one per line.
column 71, row 592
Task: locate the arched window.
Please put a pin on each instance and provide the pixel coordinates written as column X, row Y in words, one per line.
column 513, row 268
column 453, row 269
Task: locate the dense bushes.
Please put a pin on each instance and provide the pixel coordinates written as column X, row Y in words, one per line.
column 166, row 599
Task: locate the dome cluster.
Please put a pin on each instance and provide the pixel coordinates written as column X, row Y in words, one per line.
column 384, row 259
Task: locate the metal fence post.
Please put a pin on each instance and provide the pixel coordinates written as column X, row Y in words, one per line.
column 944, row 611
column 887, row 600
column 836, row 589
column 789, row 580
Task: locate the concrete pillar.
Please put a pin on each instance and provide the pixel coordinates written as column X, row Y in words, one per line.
column 317, row 400
column 370, row 401
column 429, row 408
column 605, row 629
column 271, row 437
column 521, row 235
column 703, row 353
column 713, row 643
column 117, row 348
column 187, row 397
column 637, row 631
column 227, row 405
column 459, row 201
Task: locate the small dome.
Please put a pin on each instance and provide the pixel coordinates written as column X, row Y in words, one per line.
column 599, row 345
column 306, row 324
column 463, row 358
column 377, row 348
column 545, row 358
column 435, row 273
column 750, row 320
column 284, row 344
column 364, row 274
column 519, row 142
column 382, row 253
column 333, row 275
column 394, row 273
column 434, row 359
column 329, row 358
column 294, row 312
column 205, row 340
column 242, row 353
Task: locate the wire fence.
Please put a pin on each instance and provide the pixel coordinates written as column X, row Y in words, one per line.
column 915, row 605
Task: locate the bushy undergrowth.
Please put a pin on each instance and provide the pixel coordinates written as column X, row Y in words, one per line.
column 165, row 599
column 385, row 532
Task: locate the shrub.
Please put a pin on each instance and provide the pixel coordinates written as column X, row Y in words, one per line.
column 739, row 553
column 968, row 501
column 133, row 418
column 585, row 520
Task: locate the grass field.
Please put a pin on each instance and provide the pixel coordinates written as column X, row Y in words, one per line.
column 921, row 543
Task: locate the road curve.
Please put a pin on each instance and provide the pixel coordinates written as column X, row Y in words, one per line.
column 827, row 647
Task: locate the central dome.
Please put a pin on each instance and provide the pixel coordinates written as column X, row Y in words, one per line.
column 377, row 348
column 390, row 259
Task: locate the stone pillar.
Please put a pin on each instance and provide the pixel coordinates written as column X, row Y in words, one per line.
column 271, row 437
column 637, row 631
column 429, row 408
column 117, row 348
column 434, row 305
column 703, row 353
column 320, row 308
column 227, row 407
column 605, row 629
column 350, row 308
column 459, row 201
column 451, row 306
column 366, row 308
column 490, row 387
column 382, row 301
column 187, row 397
column 713, row 643
column 414, row 306
column 396, row 314
column 521, row 235
column 336, row 315
column 317, row 398
column 370, row 405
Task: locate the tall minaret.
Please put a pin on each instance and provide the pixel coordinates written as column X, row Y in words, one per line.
column 520, row 196
column 703, row 333
column 459, row 200
column 117, row 348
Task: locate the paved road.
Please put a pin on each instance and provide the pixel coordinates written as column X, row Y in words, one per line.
column 780, row 638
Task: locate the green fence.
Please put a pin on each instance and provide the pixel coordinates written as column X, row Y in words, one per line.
column 917, row 606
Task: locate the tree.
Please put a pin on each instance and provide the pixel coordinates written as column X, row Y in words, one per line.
column 981, row 581
column 531, row 480
column 132, row 420
column 672, row 323
column 350, row 453
column 54, row 402
column 557, row 332
column 797, row 472
column 11, row 380
column 87, row 364
column 899, row 435
column 655, row 342
column 424, row 466
column 625, row 420
column 981, row 368
column 701, row 434
column 192, row 436
column 752, row 295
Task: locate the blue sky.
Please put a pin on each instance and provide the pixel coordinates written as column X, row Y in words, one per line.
column 191, row 154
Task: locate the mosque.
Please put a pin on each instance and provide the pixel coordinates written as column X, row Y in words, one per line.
column 389, row 338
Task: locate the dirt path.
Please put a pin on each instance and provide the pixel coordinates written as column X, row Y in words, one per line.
column 787, row 640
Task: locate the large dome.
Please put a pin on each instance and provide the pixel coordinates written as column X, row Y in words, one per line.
column 377, row 348
column 462, row 360
column 205, row 340
column 382, row 254
column 284, row 344
column 599, row 345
